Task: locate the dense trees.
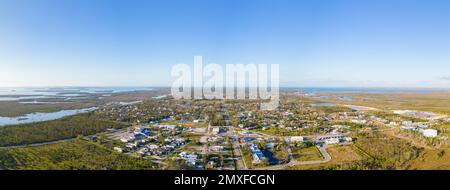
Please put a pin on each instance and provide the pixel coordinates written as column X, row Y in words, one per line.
column 64, row 128
column 77, row 154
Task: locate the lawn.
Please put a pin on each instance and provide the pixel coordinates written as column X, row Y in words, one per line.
column 306, row 154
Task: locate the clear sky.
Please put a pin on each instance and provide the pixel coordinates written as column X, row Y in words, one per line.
column 318, row 43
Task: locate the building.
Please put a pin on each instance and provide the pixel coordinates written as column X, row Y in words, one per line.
column 323, row 138
column 429, row 132
column 298, row 139
column 203, row 140
column 217, row 130
column 217, row 148
column 117, row 149
column 256, row 154
column 190, row 158
column 332, row 141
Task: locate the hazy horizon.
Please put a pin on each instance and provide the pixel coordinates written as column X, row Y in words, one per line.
column 282, row 87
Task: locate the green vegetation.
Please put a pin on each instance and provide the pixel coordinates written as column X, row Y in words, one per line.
column 434, row 102
column 306, row 153
column 352, row 125
column 64, row 128
column 386, row 152
column 247, row 156
column 395, row 117
column 15, row 109
column 333, row 109
column 280, row 152
column 74, row 155
column 178, row 164
column 217, row 120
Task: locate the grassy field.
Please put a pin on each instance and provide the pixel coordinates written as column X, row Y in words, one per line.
column 340, row 155
column 435, row 102
column 387, row 152
column 438, row 159
column 306, row 154
column 73, row 155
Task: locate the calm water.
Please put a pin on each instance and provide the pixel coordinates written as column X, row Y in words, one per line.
column 355, row 108
column 371, row 90
column 323, row 104
column 37, row 117
column 358, row 108
column 19, row 94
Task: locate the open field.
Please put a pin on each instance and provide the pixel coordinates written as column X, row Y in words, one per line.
column 340, row 155
column 434, row 102
column 306, row 154
column 438, row 159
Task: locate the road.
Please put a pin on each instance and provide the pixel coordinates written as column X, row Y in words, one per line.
column 234, row 140
column 240, row 164
column 205, row 147
column 293, row 162
column 39, row 144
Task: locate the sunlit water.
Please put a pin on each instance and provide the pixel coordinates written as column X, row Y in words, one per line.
column 38, row 117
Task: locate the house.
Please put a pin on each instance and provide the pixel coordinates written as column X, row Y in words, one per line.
column 117, row 149
column 359, row 121
column 429, row 132
column 298, row 139
column 271, row 145
column 408, row 128
column 167, row 127
column 130, row 145
column 210, row 165
column 323, row 138
column 256, row 154
column 246, row 139
column 143, row 151
column 125, row 139
column 139, row 136
column 153, row 146
column 217, row 148
column 216, row 130
column 190, row 158
column 203, row 140
column 332, row 141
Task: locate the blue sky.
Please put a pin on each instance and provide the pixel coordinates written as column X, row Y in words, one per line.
column 318, row 43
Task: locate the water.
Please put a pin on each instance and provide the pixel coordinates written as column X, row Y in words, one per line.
column 358, row 108
column 313, row 91
column 18, row 98
column 323, row 104
column 345, row 98
column 161, row 97
column 66, row 93
column 38, row 117
column 126, row 103
column 353, row 107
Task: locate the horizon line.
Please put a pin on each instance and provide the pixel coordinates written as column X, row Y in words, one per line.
column 166, row 86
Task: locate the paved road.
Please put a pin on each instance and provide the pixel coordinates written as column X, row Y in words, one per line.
column 234, row 140
column 205, row 147
column 294, row 162
column 39, row 144
column 240, row 164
